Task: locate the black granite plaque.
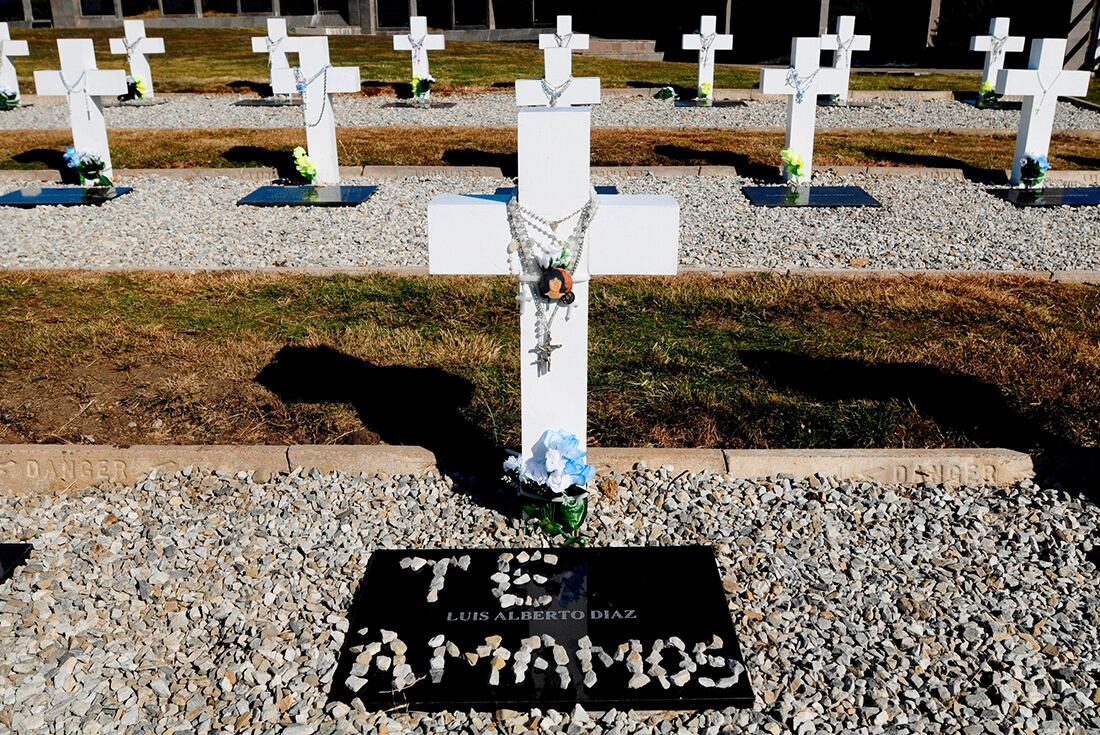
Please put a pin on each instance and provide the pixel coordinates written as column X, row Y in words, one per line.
column 308, row 196
column 809, row 196
column 12, row 556
column 828, row 101
column 972, row 100
column 714, row 103
column 1079, row 196
column 136, row 103
column 270, row 102
column 406, row 104
column 71, row 196
column 507, row 191
column 641, row 628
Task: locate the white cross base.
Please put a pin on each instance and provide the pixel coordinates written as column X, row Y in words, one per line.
column 802, row 113
column 139, row 46
column 86, row 84
column 994, row 56
column 1041, row 84
column 9, row 48
column 842, row 44
column 276, row 45
column 558, row 72
column 721, row 42
column 636, row 235
column 317, row 101
column 418, row 31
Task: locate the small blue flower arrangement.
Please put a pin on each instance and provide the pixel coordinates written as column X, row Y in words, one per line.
column 88, row 166
column 553, row 484
column 1033, row 169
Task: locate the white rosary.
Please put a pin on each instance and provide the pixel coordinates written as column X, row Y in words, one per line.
column 800, row 85
column 71, row 89
column 272, row 45
column 554, row 93
column 705, row 43
column 563, row 41
column 130, row 50
column 997, row 44
column 301, row 83
column 417, row 46
column 1045, row 87
column 842, row 47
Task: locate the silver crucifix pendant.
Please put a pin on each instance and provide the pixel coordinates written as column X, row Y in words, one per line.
column 544, row 351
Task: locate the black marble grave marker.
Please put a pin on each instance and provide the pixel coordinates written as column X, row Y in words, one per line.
column 12, row 556
column 308, row 196
column 407, row 104
column 508, row 191
column 270, row 102
column 71, row 196
column 809, row 196
column 1079, row 196
column 598, row 605
column 714, row 103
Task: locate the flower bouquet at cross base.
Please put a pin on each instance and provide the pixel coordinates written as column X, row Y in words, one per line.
column 706, row 94
column 422, row 89
column 552, row 484
column 88, row 166
column 304, row 165
column 987, row 95
column 136, row 89
column 664, row 93
column 9, row 100
column 1033, row 170
column 794, row 166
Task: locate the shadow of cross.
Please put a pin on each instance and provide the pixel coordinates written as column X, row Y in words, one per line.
column 636, row 235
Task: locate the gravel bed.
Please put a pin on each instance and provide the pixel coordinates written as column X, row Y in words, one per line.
column 218, row 111
column 924, row 224
column 199, row 603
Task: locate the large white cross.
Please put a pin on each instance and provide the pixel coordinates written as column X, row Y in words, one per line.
column 635, row 235
column 136, row 46
column 562, row 37
column 83, row 83
column 419, row 41
column 842, row 44
column 802, row 82
column 996, row 45
column 8, row 48
column 707, row 40
column 1041, row 84
column 558, row 88
column 276, row 44
column 316, row 79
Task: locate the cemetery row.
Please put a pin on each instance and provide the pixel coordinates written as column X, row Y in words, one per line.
column 205, row 111
column 138, row 615
column 923, row 224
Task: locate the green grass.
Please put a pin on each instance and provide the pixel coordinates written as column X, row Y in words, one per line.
column 221, row 60
column 756, row 361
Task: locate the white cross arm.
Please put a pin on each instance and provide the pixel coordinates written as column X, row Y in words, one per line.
column 722, row 42
column 432, row 42
column 97, row 82
column 16, row 48
column 985, row 43
column 468, row 235
column 152, row 46
column 831, row 42
column 581, row 91
column 1021, row 82
column 576, row 41
column 774, row 81
column 634, row 235
column 340, row 79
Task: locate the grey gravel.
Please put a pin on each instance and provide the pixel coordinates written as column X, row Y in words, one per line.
column 849, row 599
column 499, row 109
column 925, row 224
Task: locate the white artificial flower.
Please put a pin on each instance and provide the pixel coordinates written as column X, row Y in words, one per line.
column 555, row 461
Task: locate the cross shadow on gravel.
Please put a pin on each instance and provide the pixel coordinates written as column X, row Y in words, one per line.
column 972, row 173
column 374, row 87
column 251, row 155
column 506, row 162
column 683, row 155
column 257, row 88
column 51, row 159
column 959, row 404
column 402, row 405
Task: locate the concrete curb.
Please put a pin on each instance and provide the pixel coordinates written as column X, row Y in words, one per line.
column 46, row 468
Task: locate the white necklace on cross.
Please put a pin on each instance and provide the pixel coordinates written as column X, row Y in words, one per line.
column 130, row 49
column 996, row 45
column 301, row 84
column 801, row 85
column 563, row 40
column 705, row 43
column 273, row 44
column 842, row 47
column 553, row 93
column 1045, row 88
column 417, row 46
column 71, row 89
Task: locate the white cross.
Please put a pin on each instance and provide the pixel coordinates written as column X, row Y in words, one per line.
column 420, row 42
column 562, row 37
column 316, row 80
column 628, row 235
column 276, row 44
column 558, row 88
column 135, row 46
column 996, row 45
column 8, row 48
column 83, row 83
column 802, row 82
column 707, row 40
column 1041, row 84
column 842, row 44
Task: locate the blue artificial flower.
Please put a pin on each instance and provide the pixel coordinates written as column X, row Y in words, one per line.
column 557, row 461
column 71, row 157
